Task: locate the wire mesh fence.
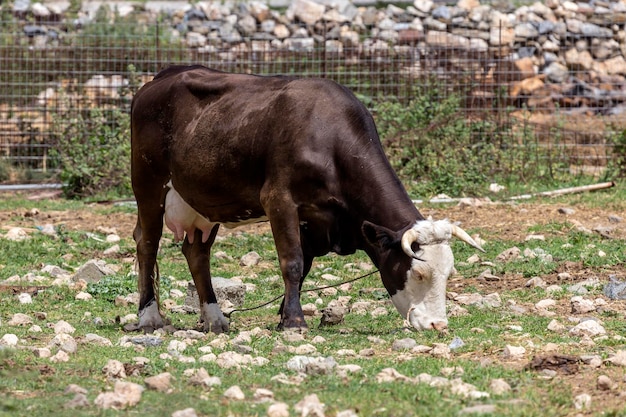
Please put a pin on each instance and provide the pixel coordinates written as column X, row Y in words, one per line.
column 56, row 82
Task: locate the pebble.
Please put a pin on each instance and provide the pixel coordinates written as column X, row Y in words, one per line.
column 25, row 298
column 20, row 319
column 161, row 382
column 605, row 383
column 187, row 412
column 234, row 393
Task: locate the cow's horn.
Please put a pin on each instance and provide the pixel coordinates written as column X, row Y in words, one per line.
column 408, row 238
column 462, row 234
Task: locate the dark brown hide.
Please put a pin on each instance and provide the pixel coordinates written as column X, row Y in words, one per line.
column 303, row 152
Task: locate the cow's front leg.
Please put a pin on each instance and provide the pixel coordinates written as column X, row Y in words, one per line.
column 198, row 258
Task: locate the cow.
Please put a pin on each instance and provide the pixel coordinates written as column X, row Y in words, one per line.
column 211, row 148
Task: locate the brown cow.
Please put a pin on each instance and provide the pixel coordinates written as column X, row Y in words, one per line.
column 211, row 148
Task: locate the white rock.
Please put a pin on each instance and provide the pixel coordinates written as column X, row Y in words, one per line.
column 187, row 412
column 161, row 382
column 278, row 410
column 582, row 305
column 65, row 342
column 234, row 393
column 63, row 327
column 42, row 352
column 618, row 358
column 588, row 328
column 545, row 304
column 177, row 346
column 60, row 356
column 25, row 298
column 310, row 406
column 16, row 234
column 263, row 395
column 499, row 386
column 114, row 369
column 514, row 352
column 20, row 319
column 9, row 339
column 83, row 296
column 582, row 401
column 250, row 259
column 95, row 339
column 124, row 395
column 306, row 349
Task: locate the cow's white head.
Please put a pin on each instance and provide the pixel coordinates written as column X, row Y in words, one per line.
column 422, row 301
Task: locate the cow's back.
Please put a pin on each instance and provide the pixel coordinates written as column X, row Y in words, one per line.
column 223, row 137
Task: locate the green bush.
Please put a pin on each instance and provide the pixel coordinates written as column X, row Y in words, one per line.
column 431, row 146
column 93, row 150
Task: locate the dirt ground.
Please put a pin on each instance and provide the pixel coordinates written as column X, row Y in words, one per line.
column 502, row 221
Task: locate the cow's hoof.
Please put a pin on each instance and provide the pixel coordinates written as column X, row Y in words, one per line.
column 299, row 327
column 213, row 320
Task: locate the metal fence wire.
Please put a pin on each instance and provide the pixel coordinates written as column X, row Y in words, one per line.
column 48, row 80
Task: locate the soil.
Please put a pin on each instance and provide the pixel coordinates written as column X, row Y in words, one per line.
column 502, row 221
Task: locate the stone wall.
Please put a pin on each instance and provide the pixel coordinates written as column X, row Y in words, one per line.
column 567, row 52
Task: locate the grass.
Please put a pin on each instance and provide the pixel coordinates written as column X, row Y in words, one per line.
column 31, row 386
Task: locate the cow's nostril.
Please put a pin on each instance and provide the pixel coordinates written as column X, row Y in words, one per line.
column 440, row 326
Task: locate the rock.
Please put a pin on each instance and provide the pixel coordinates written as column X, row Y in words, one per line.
column 79, row 401
column 83, row 296
column 588, row 328
column 618, row 358
column 581, row 305
column 333, row 315
column 202, row 378
column 509, row 254
column 94, row 339
column 226, row 290
column 20, row 319
column 92, row 271
column 161, row 382
column 114, row 369
column 59, row 357
column 64, row 342
column 278, row 410
column 42, row 352
column 234, row 393
column 25, row 298
column 604, row 383
column 615, row 289
column 9, row 339
column 403, row 344
column 63, row 327
column 499, row 386
column 16, row 234
column 250, row 259
column 311, row 406
column 514, row 352
column 187, row 412
column 582, row 401
column 307, row 11
column 124, row 395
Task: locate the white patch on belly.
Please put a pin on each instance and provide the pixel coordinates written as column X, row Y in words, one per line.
column 182, row 219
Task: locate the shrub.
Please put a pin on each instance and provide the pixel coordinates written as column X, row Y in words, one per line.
column 93, row 150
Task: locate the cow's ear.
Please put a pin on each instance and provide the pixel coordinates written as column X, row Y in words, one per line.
column 379, row 236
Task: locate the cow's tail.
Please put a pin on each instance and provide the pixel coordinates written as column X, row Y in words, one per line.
column 156, row 287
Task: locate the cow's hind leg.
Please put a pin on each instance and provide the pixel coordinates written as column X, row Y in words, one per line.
column 147, row 235
column 198, row 258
